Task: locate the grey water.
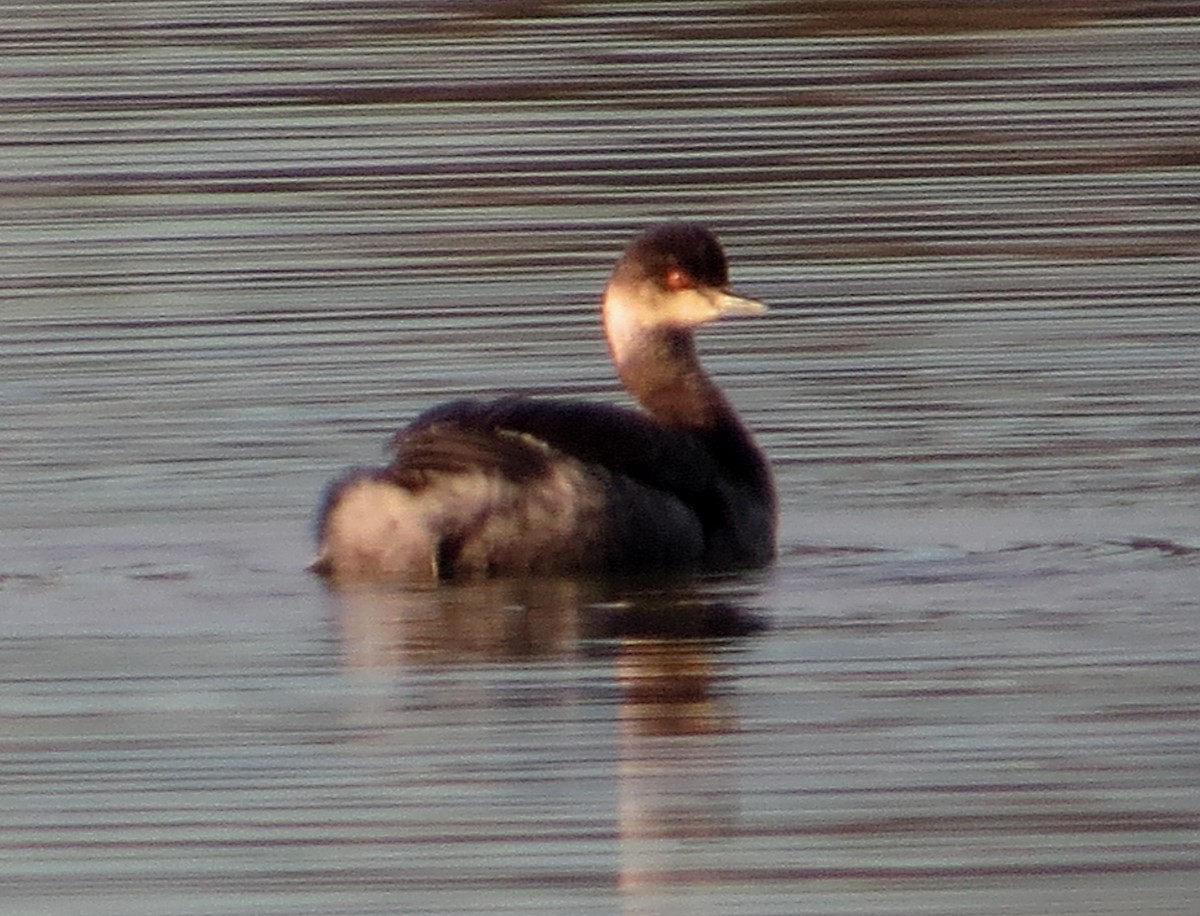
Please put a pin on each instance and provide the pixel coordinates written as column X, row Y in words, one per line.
column 241, row 243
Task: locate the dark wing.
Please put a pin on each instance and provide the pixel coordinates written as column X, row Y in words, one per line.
column 419, row 453
column 622, row 441
column 551, row 503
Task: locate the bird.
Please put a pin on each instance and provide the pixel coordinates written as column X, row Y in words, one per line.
column 538, row 487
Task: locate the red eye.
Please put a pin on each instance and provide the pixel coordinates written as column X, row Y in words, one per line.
column 676, row 280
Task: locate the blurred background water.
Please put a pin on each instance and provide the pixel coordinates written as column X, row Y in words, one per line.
column 242, row 242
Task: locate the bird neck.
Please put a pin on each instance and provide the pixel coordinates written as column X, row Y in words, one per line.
column 660, row 368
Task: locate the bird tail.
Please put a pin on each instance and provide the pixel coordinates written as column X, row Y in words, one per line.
column 371, row 528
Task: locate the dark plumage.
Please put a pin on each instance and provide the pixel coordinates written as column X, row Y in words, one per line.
column 519, row 486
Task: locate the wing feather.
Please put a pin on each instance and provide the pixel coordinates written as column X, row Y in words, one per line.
column 622, row 441
column 553, row 510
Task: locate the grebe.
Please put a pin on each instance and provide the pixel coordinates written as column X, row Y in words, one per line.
column 528, row 487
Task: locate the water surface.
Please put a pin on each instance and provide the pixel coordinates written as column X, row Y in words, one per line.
column 243, row 242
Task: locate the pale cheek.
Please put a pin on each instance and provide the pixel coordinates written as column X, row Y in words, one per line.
column 622, row 327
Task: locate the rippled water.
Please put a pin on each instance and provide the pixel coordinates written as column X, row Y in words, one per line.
column 242, row 242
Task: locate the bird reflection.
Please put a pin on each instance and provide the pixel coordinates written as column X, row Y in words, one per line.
column 667, row 688
column 494, row 620
column 677, row 792
column 500, row 620
column 676, row 728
